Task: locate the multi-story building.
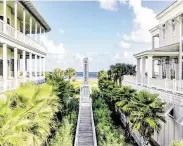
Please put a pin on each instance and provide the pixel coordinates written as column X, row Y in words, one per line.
column 167, row 58
column 22, row 55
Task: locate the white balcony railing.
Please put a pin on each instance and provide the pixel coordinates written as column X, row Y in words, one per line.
column 175, row 86
column 1, row 26
column 13, row 84
column 1, row 85
column 21, row 37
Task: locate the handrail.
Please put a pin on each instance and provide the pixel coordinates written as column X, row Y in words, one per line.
column 77, row 128
column 93, row 127
column 175, row 86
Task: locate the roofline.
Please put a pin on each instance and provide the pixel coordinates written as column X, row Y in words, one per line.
column 33, row 11
column 166, row 8
column 171, row 6
column 157, row 50
column 155, row 53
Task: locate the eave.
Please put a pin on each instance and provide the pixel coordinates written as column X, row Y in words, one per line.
column 33, row 11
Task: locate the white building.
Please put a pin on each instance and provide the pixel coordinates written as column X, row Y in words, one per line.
column 168, row 82
column 22, row 55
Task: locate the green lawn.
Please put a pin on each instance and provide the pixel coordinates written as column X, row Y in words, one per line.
column 92, row 82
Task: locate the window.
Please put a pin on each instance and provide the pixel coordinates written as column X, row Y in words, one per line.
column 8, row 20
column 173, row 27
column 171, row 113
column 164, row 31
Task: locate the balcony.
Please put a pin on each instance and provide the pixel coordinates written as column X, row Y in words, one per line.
column 13, row 83
column 168, row 90
column 11, row 32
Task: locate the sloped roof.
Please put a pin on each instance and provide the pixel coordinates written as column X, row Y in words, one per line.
column 30, row 7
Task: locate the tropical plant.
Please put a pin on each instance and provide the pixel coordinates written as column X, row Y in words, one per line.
column 122, row 98
column 56, row 76
column 177, row 143
column 117, row 72
column 26, row 116
column 107, row 135
column 146, row 112
column 63, row 135
column 69, row 73
column 67, row 93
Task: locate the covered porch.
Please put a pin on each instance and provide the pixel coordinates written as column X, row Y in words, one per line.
column 159, row 69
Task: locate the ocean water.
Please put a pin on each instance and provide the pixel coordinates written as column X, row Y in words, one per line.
column 90, row 74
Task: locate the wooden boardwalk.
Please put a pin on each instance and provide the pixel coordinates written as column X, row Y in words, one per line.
column 85, row 132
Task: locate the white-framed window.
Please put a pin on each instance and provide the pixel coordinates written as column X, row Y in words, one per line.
column 173, row 27
column 164, row 31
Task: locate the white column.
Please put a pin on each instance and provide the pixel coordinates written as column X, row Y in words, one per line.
column 40, row 65
column 4, row 16
column 149, row 66
column 23, row 59
column 15, row 63
column 149, row 69
column 40, row 35
column 44, row 66
column 153, row 74
column 35, row 61
column 36, row 31
column 5, row 66
column 160, row 70
column 138, row 70
column 24, row 15
column 30, row 26
column 180, row 49
column 153, row 42
column 15, row 12
column 30, row 65
column 142, row 68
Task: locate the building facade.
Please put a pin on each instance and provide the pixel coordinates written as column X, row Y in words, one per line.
column 22, row 54
column 167, row 81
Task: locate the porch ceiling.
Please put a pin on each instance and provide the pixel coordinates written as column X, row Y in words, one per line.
column 171, row 50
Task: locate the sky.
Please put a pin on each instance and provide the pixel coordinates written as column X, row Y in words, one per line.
column 105, row 31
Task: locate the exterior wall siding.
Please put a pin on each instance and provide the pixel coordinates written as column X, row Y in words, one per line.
column 170, row 37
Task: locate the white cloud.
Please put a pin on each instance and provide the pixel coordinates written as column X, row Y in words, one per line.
column 52, row 48
column 126, row 54
column 61, row 31
column 108, row 4
column 125, row 37
column 144, row 20
column 125, row 45
column 116, row 57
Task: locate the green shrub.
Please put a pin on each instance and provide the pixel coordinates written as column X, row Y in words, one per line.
column 26, row 115
column 63, row 135
column 177, row 143
column 107, row 135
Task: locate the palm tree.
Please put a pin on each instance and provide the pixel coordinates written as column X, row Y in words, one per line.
column 55, row 76
column 101, row 74
column 122, row 99
column 114, row 74
column 146, row 112
column 69, row 73
column 26, row 115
